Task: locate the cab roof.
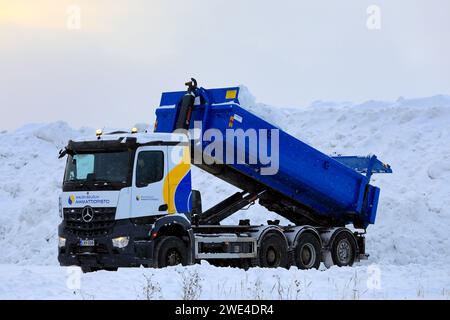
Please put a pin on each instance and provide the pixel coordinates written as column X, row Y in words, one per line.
column 139, row 137
column 122, row 141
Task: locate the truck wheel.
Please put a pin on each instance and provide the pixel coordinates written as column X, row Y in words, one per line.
column 93, row 269
column 307, row 252
column 89, row 269
column 171, row 251
column 111, row 269
column 273, row 252
column 343, row 250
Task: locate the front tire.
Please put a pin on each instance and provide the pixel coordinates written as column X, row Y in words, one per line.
column 307, row 252
column 111, row 269
column 171, row 251
column 94, row 269
column 89, row 269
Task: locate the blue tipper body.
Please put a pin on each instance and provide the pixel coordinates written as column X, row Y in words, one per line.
column 332, row 187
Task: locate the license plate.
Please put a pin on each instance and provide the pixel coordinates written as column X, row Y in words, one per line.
column 87, row 243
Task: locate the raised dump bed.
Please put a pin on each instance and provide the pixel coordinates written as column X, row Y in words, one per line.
column 309, row 186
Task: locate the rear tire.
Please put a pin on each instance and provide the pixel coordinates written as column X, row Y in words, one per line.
column 343, row 250
column 273, row 252
column 307, row 252
column 171, row 251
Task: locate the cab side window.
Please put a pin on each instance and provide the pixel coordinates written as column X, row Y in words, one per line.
column 149, row 168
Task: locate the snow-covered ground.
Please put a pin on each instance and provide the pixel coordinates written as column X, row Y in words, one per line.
column 412, row 281
column 409, row 244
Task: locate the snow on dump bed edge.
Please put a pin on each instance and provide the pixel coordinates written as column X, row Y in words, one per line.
column 412, row 135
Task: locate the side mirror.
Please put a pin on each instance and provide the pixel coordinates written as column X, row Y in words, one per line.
column 196, row 202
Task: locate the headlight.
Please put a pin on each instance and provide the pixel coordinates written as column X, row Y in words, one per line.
column 61, row 242
column 120, row 242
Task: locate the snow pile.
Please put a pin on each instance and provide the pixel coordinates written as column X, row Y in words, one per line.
column 31, row 176
column 410, row 237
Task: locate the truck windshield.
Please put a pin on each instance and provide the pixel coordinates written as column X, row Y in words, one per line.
column 108, row 167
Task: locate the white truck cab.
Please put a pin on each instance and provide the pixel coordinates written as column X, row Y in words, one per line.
column 115, row 187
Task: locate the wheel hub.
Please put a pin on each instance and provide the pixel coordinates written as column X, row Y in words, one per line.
column 307, row 255
column 344, row 251
column 272, row 257
column 173, row 258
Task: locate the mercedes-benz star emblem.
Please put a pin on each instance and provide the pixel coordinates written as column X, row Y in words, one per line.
column 87, row 214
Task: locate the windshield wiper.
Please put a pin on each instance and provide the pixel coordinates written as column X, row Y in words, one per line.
column 78, row 184
column 75, row 181
column 105, row 181
column 93, row 184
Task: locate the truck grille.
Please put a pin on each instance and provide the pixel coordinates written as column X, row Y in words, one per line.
column 102, row 222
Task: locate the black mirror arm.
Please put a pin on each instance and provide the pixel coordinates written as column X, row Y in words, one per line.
column 62, row 153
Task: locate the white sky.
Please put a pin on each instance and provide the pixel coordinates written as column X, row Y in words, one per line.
column 112, row 71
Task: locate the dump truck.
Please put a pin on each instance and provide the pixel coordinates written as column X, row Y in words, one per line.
column 127, row 198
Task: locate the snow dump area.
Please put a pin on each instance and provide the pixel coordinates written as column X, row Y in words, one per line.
column 409, row 244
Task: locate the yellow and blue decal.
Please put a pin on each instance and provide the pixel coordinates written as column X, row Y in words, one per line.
column 71, row 199
column 177, row 186
column 90, row 199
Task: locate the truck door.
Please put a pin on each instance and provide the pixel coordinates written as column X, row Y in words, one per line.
column 150, row 169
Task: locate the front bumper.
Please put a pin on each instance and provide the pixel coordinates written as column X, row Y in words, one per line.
column 103, row 254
